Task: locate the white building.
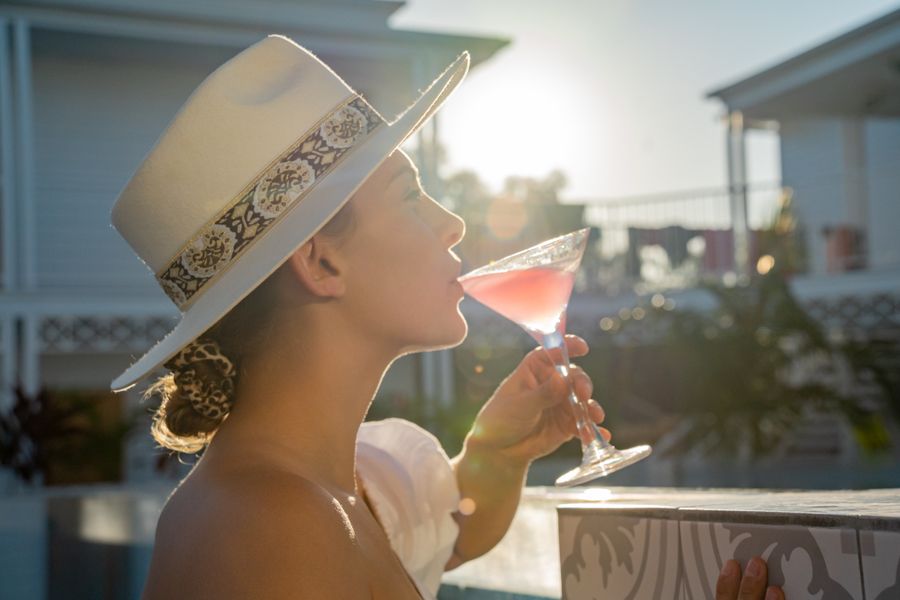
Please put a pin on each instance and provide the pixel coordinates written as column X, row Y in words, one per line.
column 86, row 86
column 837, row 111
column 836, row 108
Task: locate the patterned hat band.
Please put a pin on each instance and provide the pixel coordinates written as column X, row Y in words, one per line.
column 282, row 185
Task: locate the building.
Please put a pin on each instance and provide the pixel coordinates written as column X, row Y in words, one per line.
column 836, row 108
column 86, row 86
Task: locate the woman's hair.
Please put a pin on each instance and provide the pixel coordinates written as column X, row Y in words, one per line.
column 240, row 335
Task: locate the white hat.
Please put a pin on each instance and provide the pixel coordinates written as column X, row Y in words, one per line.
column 261, row 155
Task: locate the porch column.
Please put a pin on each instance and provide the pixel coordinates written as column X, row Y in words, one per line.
column 24, row 144
column 7, row 220
column 7, row 165
column 30, row 353
column 735, row 144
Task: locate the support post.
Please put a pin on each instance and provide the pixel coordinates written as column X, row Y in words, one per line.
column 7, row 166
column 30, row 353
column 737, row 192
column 24, row 198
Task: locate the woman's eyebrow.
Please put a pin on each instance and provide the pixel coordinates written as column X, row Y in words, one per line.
column 404, row 171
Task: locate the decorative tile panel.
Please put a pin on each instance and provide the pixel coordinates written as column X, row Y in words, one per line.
column 614, row 554
column 808, row 562
column 818, row 544
column 880, row 558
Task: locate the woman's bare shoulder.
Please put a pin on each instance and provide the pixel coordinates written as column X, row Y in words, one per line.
column 259, row 534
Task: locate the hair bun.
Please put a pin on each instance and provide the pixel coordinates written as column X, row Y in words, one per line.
column 205, row 376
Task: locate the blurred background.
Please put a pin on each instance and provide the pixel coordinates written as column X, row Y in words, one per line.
column 738, row 165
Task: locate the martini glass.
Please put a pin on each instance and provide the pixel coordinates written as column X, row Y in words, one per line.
column 532, row 288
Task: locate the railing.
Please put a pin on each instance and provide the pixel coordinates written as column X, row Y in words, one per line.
column 664, row 241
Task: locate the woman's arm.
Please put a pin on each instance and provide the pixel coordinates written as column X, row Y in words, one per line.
column 490, row 487
column 526, row 418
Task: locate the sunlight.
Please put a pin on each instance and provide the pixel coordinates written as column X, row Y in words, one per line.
column 596, row 494
column 526, row 120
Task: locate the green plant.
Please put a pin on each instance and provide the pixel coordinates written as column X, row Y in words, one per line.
column 61, row 435
column 742, row 372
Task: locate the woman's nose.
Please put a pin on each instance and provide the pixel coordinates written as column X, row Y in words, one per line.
column 454, row 229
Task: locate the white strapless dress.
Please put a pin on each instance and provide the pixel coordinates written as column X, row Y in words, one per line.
column 412, row 488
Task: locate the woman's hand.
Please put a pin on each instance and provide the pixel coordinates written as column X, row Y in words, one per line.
column 529, row 415
column 752, row 586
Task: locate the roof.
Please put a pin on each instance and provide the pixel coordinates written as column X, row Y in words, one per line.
column 354, row 28
column 856, row 73
column 352, row 36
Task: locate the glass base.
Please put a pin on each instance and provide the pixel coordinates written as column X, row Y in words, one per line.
column 599, row 462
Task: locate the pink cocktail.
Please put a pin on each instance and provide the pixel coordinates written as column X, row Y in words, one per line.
column 536, row 297
column 532, row 288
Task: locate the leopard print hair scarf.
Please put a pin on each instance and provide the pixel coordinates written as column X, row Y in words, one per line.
column 212, row 397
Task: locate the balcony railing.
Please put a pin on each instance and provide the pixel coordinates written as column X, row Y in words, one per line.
column 670, row 241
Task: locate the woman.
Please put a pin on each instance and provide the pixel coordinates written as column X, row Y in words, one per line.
column 279, row 216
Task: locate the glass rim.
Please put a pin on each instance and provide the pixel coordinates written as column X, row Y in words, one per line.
column 498, row 264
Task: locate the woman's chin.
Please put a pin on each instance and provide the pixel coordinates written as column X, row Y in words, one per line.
column 450, row 335
column 463, row 329
column 455, row 334
column 461, row 335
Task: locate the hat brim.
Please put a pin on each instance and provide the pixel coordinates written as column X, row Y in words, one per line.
column 296, row 227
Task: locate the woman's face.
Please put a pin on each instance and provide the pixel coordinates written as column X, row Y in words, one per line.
column 401, row 279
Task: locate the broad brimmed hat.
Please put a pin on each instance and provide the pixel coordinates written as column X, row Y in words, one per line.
column 261, row 155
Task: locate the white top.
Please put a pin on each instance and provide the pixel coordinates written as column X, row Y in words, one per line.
column 412, row 488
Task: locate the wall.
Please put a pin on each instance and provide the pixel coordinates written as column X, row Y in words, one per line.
column 882, row 147
column 844, row 171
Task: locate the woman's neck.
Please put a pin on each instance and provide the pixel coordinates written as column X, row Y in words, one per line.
column 300, row 403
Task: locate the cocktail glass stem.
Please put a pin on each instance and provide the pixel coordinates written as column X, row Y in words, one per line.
column 599, row 457
column 592, row 441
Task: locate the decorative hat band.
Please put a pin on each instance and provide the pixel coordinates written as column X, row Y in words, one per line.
column 282, row 185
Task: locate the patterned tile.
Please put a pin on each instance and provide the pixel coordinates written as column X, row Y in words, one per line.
column 607, row 555
column 810, row 563
column 880, row 557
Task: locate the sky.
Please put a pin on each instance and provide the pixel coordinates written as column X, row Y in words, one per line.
column 612, row 92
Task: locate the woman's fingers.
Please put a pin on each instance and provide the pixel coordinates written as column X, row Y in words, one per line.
column 752, row 586
column 555, row 390
column 542, row 360
column 584, row 386
column 595, row 411
column 753, row 583
column 729, row 581
column 575, row 346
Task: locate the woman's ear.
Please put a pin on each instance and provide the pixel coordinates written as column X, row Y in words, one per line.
column 316, row 266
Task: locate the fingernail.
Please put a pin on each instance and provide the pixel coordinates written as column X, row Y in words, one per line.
column 753, row 568
column 729, row 569
column 772, row 594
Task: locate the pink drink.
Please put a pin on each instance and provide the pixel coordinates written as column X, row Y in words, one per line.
column 535, row 298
